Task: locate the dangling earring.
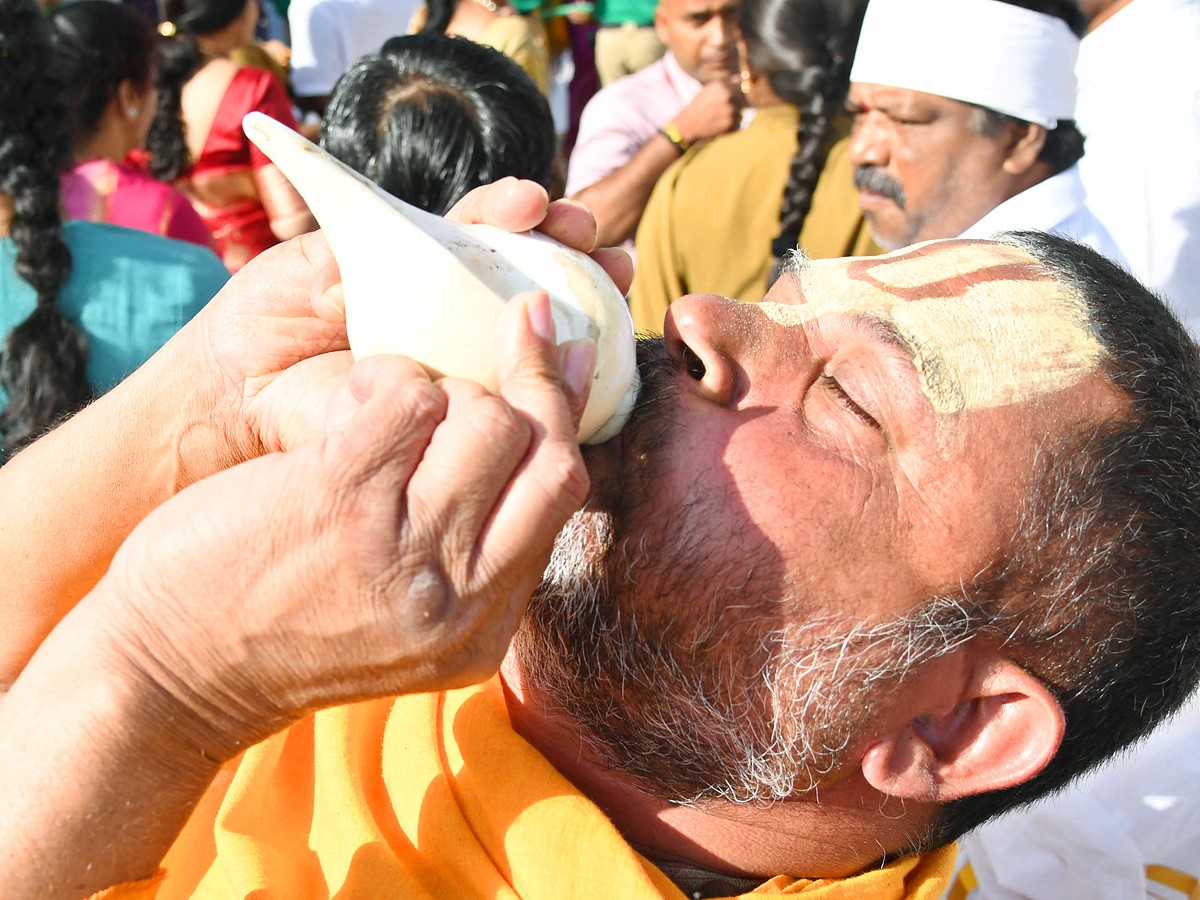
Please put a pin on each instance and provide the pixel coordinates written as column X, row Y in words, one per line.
column 746, row 81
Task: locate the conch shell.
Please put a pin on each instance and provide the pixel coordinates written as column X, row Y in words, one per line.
column 431, row 289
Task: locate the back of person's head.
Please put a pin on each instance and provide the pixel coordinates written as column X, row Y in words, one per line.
column 430, row 117
column 43, row 361
column 183, row 21
column 804, row 47
column 1099, row 595
column 100, row 45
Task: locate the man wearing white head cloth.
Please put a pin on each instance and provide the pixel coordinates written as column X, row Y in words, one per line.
column 963, row 121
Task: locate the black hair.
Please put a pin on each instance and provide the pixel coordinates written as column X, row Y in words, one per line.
column 181, row 59
column 1100, row 596
column 1067, row 10
column 1063, row 147
column 805, row 48
column 439, row 14
column 99, row 45
column 43, row 361
column 431, row 116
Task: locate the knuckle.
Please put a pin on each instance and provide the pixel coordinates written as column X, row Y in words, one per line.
column 500, row 422
column 424, row 404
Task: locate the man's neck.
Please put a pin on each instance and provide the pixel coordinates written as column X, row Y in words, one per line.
column 848, row 829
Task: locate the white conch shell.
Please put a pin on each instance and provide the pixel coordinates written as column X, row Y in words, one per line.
column 431, row 289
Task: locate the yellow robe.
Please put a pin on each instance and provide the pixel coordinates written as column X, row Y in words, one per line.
column 712, row 216
column 432, row 796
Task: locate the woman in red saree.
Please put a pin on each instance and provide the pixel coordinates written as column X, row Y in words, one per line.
column 107, row 55
column 196, row 139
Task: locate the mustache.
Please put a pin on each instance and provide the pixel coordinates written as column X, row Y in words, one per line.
column 877, row 181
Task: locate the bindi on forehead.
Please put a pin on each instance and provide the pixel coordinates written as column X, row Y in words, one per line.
column 987, row 326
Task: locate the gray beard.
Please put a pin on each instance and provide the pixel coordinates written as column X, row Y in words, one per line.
column 687, row 671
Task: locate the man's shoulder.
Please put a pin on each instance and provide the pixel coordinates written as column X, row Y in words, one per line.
column 653, row 77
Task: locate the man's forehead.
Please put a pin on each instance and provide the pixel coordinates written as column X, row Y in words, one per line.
column 985, row 323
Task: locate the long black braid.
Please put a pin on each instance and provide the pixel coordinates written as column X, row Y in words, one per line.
column 805, row 48
column 43, row 361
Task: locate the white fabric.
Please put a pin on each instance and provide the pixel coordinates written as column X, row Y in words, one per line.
column 1139, row 108
column 1004, row 57
column 1057, row 204
column 1119, row 833
column 329, row 35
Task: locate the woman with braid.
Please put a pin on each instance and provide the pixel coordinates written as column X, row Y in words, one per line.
column 109, row 53
column 81, row 304
column 196, row 139
column 701, row 232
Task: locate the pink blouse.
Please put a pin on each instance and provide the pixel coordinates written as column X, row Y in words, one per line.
column 99, row 190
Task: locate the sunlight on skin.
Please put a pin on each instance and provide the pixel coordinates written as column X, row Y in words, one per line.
column 995, row 332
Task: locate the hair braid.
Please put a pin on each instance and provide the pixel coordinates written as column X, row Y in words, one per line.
column 43, row 361
column 818, row 98
column 181, row 58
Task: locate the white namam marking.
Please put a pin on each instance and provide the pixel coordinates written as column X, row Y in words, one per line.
column 996, row 342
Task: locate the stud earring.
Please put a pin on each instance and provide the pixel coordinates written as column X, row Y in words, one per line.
column 133, row 112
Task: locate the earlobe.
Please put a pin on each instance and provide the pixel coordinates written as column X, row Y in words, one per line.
column 1028, row 142
column 1002, row 732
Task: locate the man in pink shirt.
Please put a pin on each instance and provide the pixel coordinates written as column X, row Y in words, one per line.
column 637, row 126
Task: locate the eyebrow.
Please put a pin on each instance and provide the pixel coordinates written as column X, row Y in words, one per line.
column 886, row 332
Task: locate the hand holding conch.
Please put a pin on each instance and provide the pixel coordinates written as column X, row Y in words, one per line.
column 431, row 289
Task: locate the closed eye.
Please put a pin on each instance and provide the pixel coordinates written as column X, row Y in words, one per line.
column 846, row 401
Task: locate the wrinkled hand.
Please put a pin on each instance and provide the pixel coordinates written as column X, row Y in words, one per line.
column 393, row 555
column 275, row 331
column 717, row 109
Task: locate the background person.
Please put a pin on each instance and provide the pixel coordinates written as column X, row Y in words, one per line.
column 82, row 304
column 196, row 140
column 430, row 117
column 698, row 235
column 109, row 53
column 637, row 126
column 1140, row 111
column 942, row 147
column 626, row 39
column 497, row 24
column 328, row 35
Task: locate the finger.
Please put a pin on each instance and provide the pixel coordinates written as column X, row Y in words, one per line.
column 570, row 222
column 381, row 425
column 469, row 461
column 551, row 482
column 510, row 203
column 328, row 296
column 617, row 263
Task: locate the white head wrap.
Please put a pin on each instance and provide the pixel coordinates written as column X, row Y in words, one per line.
column 1004, row 57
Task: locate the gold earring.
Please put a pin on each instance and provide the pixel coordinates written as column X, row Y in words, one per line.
column 745, row 81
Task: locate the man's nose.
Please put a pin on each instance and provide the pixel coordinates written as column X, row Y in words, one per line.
column 868, row 141
column 709, row 336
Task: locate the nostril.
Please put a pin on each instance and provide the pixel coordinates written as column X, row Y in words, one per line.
column 693, row 363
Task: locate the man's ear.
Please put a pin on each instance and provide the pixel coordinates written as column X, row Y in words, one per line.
column 1028, row 140
column 1004, row 730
